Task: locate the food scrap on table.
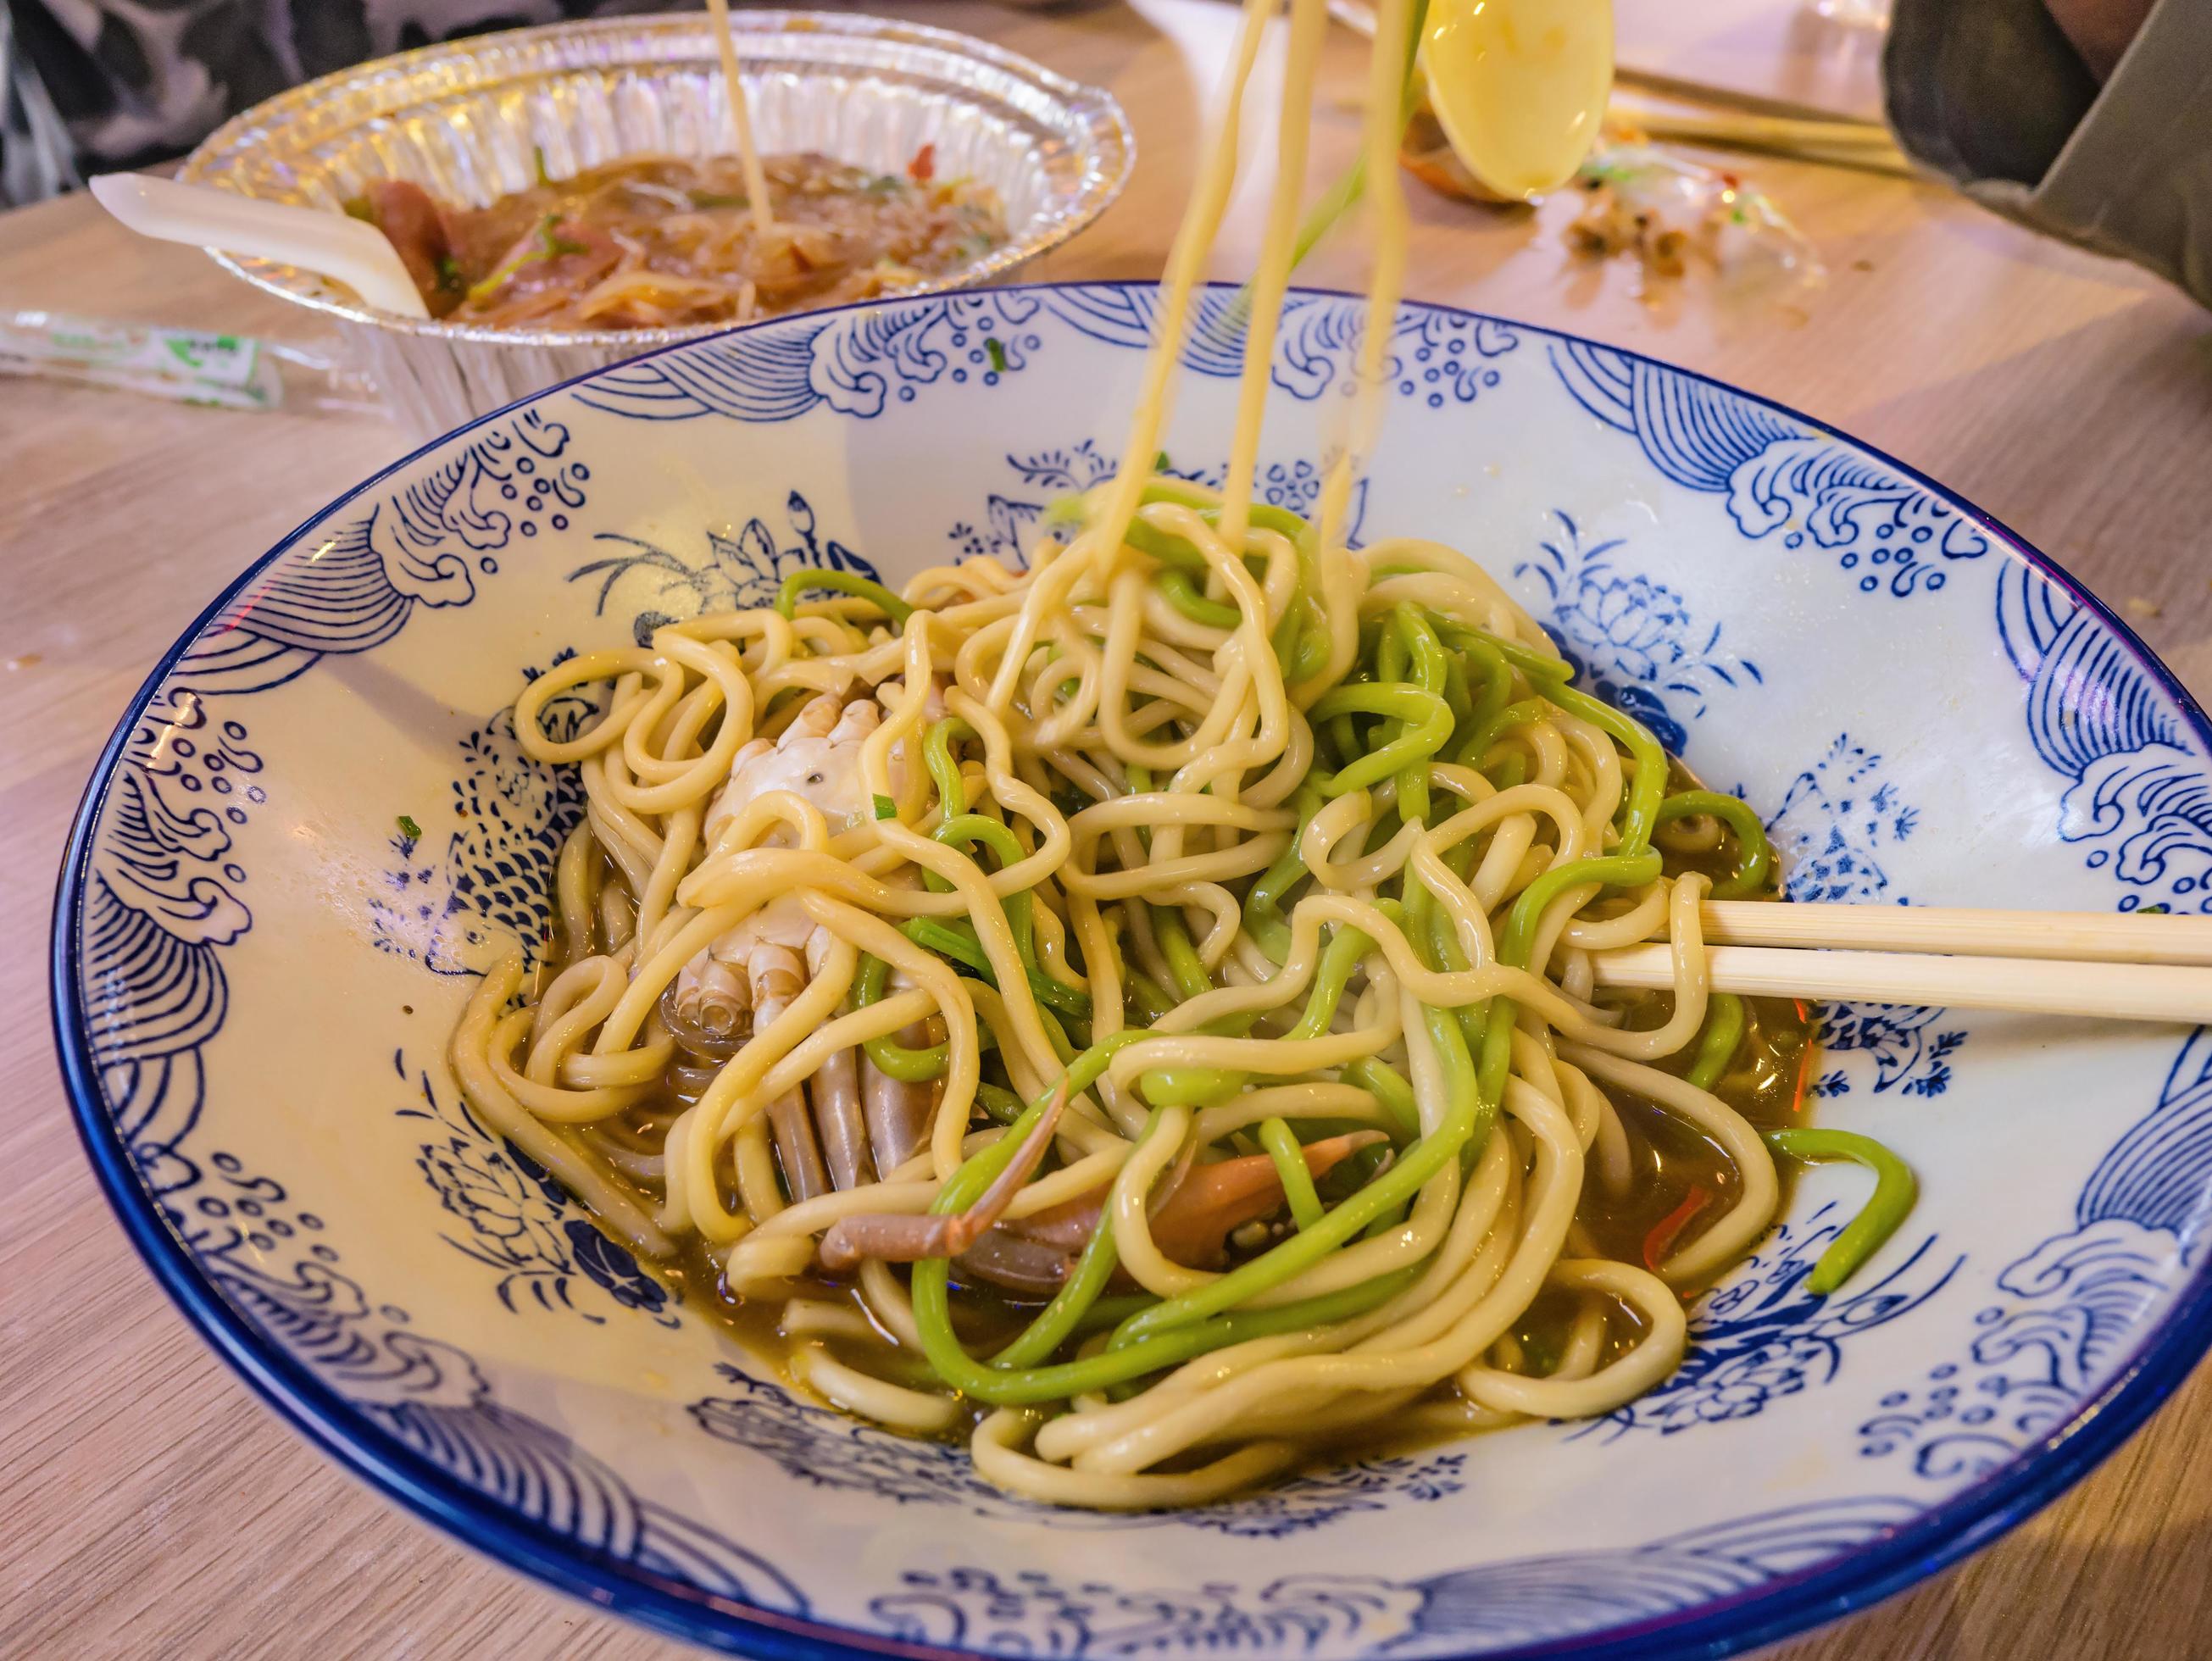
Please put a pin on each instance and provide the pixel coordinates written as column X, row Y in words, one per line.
column 1670, row 211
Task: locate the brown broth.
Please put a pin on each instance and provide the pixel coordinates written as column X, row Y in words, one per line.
column 1766, row 1083
column 662, row 241
column 1671, row 1161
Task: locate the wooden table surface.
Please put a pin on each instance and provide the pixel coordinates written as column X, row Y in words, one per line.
column 149, row 1505
column 1771, row 50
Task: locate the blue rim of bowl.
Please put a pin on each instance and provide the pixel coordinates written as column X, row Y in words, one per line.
column 1774, row 1609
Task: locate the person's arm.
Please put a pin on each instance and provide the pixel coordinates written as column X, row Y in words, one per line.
column 2100, row 30
column 2088, row 119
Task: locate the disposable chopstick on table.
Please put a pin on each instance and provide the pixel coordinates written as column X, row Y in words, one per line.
column 1733, row 126
column 2134, row 967
column 1688, row 89
column 1835, row 143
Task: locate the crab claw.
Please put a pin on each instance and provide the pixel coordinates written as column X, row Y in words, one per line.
column 1194, row 1225
column 899, row 1114
column 905, row 1239
column 835, row 1089
column 707, row 1004
column 1191, row 1226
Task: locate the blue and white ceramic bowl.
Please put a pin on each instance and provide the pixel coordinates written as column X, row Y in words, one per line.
column 315, row 825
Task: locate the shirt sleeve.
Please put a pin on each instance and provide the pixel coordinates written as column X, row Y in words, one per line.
column 1990, row 95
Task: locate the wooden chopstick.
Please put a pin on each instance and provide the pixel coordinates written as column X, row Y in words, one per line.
column 2119, row 991
column 1833, row 144
column 1684, row 89
column 1738, row 127
column 2088, row 936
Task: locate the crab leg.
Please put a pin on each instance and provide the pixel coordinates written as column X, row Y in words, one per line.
column 776, row 978
column 1018, row 1262
column 899, row 1114
column 835, row 1088
column 907, row 1238
column 1191, row 1226
column 1216, row 1200
column 796, row 1150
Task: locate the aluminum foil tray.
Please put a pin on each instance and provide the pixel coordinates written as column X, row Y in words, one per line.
column 466, row 120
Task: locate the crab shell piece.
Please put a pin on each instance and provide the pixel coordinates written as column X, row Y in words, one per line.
column 847, row 1123
column 816, row 757
column 771, row 954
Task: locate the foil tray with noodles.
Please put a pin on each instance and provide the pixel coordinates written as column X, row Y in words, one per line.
column 468, row 121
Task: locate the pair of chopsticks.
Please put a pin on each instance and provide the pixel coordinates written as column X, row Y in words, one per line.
column 1865, row 145
column 2125, row 967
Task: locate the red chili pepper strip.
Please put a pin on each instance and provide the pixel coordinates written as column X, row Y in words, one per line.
column 1659, row 1244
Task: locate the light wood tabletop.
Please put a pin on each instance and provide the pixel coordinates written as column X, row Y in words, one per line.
column 1767, row 50
column 150, row 1505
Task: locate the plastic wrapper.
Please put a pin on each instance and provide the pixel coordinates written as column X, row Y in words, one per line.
column 184, row 366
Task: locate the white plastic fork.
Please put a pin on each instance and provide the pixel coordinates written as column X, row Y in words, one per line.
column 334, row 245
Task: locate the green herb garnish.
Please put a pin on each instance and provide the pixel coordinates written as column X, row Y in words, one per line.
column 996, row 353
column 409, row 829
column 549, row 246
column 1160, row 463
column 886, row 808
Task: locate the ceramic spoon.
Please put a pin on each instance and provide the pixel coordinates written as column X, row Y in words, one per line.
column 332, row 244
column 1519, row 86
